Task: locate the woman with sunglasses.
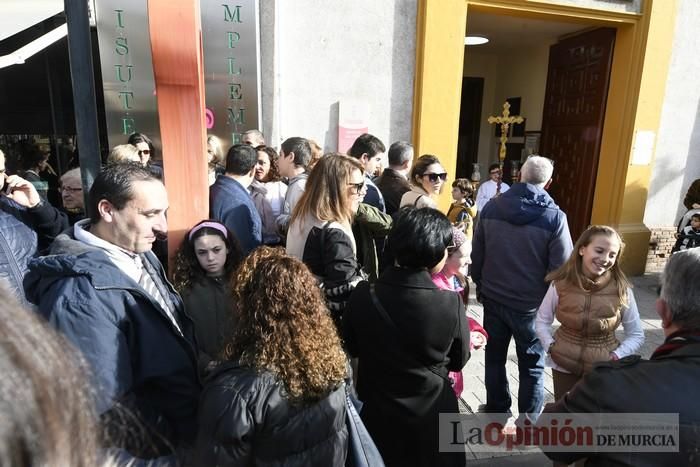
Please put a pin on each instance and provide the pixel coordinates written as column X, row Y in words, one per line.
column 428, row 177
column 320, row 232
column 146, row 151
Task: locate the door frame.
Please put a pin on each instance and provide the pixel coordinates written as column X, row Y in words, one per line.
column 621, row 188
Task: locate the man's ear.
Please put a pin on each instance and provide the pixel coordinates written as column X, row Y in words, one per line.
column 664, row 312
column 106, row 210
column 251, row 172
column 364, row 157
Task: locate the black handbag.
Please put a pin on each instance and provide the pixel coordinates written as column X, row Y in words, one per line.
column 362, row 452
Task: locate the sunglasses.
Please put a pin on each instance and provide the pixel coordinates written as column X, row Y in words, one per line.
column 144, row 152
column 434, row 177
column 358, row 187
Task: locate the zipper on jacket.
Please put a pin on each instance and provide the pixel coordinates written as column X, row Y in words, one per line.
column 584, row 334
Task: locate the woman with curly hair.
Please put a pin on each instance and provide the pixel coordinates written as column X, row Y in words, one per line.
column 320, row 232
column 268, row 192
column 278, row 399
column 203, row 267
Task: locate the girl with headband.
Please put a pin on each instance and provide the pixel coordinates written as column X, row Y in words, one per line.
column 203, row 267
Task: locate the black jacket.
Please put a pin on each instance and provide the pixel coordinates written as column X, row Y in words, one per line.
column 139, row 360
column 209, row 303
column 402, row 397
column 246, row 420
column 663, row 384
column 19, row 241
column 392, row 185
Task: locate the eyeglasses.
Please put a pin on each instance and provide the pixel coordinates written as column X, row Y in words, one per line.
column 495, row 172
column 68, row 189
column 358, row 187
column 434, row 177
column 144, row 152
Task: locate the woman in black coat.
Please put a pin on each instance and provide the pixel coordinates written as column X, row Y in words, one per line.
column 279, row 399
column 407, row 337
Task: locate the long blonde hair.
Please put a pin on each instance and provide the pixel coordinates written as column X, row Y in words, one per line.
column 572, row 270
column 326, row 194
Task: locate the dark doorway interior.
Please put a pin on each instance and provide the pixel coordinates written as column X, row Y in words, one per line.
column 572, row 124
column 469, row 125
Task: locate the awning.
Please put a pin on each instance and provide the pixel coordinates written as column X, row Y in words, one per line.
column 18, row 15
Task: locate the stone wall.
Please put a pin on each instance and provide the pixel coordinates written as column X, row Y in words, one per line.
column 660, row 244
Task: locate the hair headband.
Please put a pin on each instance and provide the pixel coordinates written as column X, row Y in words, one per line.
column 213, row 225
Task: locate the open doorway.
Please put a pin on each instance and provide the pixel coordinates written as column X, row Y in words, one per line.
column 527, row 62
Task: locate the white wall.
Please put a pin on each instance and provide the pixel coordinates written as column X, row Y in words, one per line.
column 677, row 156
column 327, row 52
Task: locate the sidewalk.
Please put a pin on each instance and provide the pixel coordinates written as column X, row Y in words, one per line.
column 475, row 393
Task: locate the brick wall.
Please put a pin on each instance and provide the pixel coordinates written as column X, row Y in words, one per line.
column 660, row 244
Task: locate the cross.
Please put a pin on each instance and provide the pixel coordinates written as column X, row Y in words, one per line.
column 505, row 120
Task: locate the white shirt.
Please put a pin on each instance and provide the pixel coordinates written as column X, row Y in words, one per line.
column 129, row 263
column 487, row 190
column 631, row 323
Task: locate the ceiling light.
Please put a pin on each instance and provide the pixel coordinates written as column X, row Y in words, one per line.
column 475, row 40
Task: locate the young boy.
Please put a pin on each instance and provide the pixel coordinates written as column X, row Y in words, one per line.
column 463, row 210
column 690, row 238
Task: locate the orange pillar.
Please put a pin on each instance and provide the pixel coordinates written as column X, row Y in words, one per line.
column 178, row 68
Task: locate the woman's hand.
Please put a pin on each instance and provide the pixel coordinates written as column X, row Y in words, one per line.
column 613, row 357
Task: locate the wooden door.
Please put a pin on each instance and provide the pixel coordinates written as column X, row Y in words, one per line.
column 469, row 126
column 572, row 123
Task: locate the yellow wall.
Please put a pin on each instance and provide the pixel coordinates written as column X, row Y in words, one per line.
column 634, row 97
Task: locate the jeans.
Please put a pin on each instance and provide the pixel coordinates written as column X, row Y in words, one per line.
column 503, row 322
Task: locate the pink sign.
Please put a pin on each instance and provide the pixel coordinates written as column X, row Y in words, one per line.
column 352, row 122
column 209, row 118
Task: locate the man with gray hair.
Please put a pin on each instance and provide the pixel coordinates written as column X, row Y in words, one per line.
column 664, row 384
column 521, row 236
column 393, row 182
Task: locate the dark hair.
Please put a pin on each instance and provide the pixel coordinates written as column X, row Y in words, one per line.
column 301, row 149
column 464, row 185
column 419, row 237
column 366, row 144
column 136, row 138
column 421, row 165
column 696, row 216
column 241, row 159
column 495, row 165
column 187, row 267
column 48, row 416
column 33, row 155
column 114, row 184
column 400, row 152
column 274, row 174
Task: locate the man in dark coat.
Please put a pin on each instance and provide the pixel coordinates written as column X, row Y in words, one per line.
column 27, row 224
column 229, row 199
column 664, row 384
column 521, row 236
column 406, row 347
column 393, row 182
column 105, row 290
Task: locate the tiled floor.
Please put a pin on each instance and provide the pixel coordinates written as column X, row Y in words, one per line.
column 475, row 394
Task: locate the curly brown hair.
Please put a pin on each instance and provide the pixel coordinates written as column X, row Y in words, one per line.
column 274, row 174
column 285, row 329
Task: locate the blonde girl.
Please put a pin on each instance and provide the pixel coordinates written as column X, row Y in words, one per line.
column 590, row 296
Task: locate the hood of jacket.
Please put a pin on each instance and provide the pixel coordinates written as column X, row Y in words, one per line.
column 71, row 257
column 521, row 204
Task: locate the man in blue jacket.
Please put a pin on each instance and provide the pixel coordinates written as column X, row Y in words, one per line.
column 105, row 290
column 229, row 199
column 521, row 236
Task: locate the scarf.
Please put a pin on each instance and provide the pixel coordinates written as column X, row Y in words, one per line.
column 677, row 340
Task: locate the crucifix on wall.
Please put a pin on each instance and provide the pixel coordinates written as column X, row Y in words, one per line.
column 505, row 120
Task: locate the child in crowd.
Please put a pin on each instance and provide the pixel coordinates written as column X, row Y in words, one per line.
column 463, row 211
column 590, row 296
column 203, row 267
column 689, row 237
column 452, row 278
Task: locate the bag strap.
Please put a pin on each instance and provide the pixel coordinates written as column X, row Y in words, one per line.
column 415, row 203
column 387, row 319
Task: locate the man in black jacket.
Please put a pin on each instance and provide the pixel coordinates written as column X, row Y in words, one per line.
column 666, row 383
column 393, row 182
column 105, row 290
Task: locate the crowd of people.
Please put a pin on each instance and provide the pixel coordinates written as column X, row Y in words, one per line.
column 317, row 280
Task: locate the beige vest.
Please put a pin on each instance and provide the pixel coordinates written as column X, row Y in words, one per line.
column 588, row 320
